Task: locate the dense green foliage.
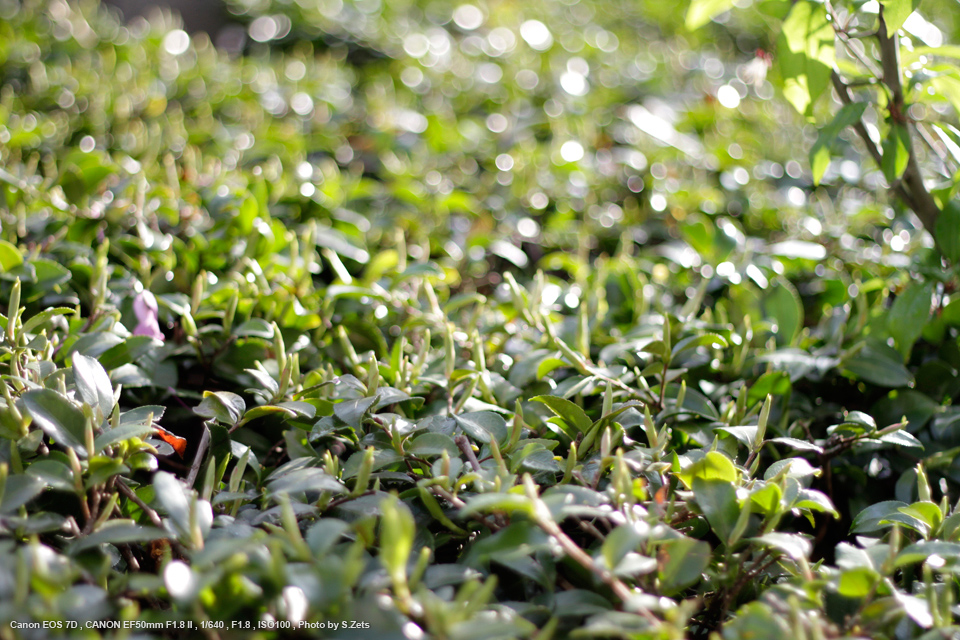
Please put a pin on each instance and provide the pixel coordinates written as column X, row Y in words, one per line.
column 476, row 324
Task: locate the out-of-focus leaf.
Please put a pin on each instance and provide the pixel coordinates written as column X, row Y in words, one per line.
column 684, row 560
column 820, row 152
column 805, row 51
column 782, row 305
column 713, row 466
column 397, row 530
column 794, row 545
column 700, row 12
column 879, row 364
column 948, row 231
column 172, row 496
column 718, row 501
column 308, row 479
column 896, row 153
column 909, row 314
column 117, row 532
column 896, row 12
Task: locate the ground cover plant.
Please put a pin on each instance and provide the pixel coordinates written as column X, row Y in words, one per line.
column 408, row 320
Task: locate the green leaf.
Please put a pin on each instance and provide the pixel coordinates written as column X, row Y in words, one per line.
column 901, row 438
column 918, row 408
column 712, row 340
column 224, row 407
column 381, row 458
column 10, row 256
column 120, row 433
column 246, row 214
column 549, row 365
column 793, row 545
column 700, row 12
column 927, row 511
column 783, row 306
column 896, row 12
column 879, row 364
column 920, row 551
column 56, row 473
column 268, row 410
column 49, row 274
column 117, row 532
column 18, row 490
column 896, row 153
column 506, row 502
column 773, row 383
column 93, row 383
column 745, row 435
column 791, row 468
column 683, row 562
column 805, row 54
column 59, row 418
column 815, row 501
column 572, row 414
column 41, row 318
column 693, row 402
column 255, row 328
column 397, row 531
column 948, row 231
column 757, row 621
column 432, row 444
column 101, row 469
column 172, row 496
column 130, row 350
column 353, row 411
column 717, row 500
column 483, row 425
column 303, row 480
column 619, row 542
column 324, row 534
column 871, row 518
column 141, row 415
column 767, row 497
column 848, row 115
column 909, row 314
column 713, row 466
column 857, row 582
column 535, row 458
column 657, row 348
column 801, row 445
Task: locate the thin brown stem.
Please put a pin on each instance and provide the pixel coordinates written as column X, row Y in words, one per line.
column 135, row 499
column 844, row 35
column 592, row 530
column 464, row 446
column 923, row 203
column 128, row 556
column 198, row 458
column 458, row 503
column 843, row 91
column 581, row 557
column 151, row 513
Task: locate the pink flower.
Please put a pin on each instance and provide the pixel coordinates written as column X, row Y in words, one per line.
column 146, row 309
